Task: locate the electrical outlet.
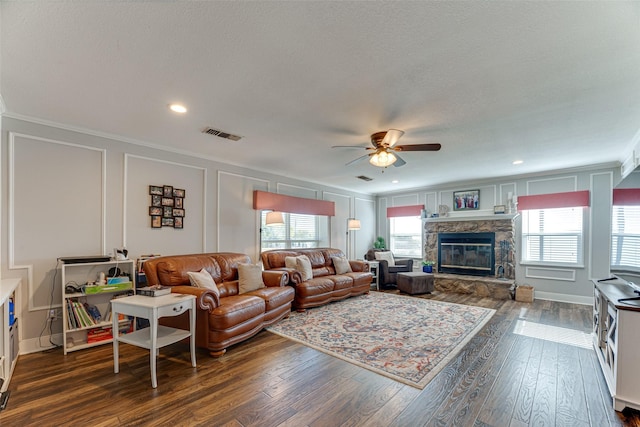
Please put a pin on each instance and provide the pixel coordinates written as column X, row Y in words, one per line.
column 52, row 314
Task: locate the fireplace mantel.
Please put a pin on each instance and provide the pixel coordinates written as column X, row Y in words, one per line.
column 495, row 217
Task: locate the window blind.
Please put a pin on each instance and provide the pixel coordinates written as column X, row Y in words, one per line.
column 625, row 237
column 553, row 235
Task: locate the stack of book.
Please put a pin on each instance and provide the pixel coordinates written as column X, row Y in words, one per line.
column 81, row 315
column 154, row 291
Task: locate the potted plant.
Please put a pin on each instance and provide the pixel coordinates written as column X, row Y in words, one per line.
column 379, row 243
column 427, row 266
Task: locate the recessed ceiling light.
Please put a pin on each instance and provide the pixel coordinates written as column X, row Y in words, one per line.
column 178, row 108
column 518, row 162
column 395, row 181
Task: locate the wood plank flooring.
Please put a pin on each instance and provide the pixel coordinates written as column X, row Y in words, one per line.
column 501, row 378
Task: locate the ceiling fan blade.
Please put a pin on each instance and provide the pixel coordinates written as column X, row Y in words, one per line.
column 357, row 160
column 399, row 161
column 418, row 147
column 359, row 147
column 392, row 136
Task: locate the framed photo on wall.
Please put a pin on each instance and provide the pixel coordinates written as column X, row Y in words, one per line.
column 155, row 190
column 466, row 200
column 156, row 222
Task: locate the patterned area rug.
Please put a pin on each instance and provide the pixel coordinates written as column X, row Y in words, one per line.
column 405, row 338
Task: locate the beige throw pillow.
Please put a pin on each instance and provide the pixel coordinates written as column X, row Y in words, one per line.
column 303, row 265
column 290, row 262
column 388, row 256
column 250, row 277
column 202, row 279
column 341, row 265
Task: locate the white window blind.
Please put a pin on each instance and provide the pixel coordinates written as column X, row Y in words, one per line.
column 553, row 236
column 625, row 237
column 405, row 238
column 298, row 231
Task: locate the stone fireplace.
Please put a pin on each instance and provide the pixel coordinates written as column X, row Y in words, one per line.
column 473, row 255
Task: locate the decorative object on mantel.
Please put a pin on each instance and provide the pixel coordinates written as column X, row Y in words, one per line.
column 466, row 200
column 499, row 209
column 443, row 211
column 167, row 206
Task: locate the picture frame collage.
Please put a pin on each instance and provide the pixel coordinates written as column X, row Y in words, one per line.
column 167, row 206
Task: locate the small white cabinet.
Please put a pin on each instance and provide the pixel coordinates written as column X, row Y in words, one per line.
column 78, row 335
column 616, row 339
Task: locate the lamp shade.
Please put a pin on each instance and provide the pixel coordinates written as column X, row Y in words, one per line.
column 353, row 224
column 383, row 159
column 274, row 218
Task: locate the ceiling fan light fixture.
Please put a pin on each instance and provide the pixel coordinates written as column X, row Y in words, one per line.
column 383, row 159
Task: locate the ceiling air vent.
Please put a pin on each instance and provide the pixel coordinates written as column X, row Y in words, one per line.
column 364, row 178
column 221, row 134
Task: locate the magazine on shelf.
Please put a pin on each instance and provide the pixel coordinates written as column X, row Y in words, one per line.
column 154, row 291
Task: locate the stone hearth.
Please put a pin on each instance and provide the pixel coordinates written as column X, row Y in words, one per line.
column 504, row 228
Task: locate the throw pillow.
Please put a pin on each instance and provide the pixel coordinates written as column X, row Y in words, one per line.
column 386, row 255
column 341, row 265
column 290, row 262
column 250, row 277
column 303, row 265
column 202, row 279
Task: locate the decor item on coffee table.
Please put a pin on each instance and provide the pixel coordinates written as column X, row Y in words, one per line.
column 404, row 338
column 415, row 283
column 388, row 271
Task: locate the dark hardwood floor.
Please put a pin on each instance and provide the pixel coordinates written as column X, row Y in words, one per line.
column 519, row 370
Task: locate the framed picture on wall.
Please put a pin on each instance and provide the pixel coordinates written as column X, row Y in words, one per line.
column 177, row 222
column 167, row 191
column 178, row 202
column 156, row 200
column 156, row 222
column 167, row 201
column 155, row 210
column 178, row 212
column 156, row 190
column 167, row 222
column 168, row 212
column 178, row 192
column 466, row 200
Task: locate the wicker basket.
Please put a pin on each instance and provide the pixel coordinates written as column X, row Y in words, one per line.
column 524, row 293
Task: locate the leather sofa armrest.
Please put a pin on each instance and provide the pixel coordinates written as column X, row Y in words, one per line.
column 359, row 265
column 275, row 278
column 205, row 299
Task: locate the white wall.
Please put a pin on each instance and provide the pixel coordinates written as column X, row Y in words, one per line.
column 571, row 284
column 67, row 193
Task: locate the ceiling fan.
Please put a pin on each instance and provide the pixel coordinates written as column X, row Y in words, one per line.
column 383, row 152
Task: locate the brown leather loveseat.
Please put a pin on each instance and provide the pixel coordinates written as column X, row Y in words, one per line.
column 325, row 286
column 229, row 318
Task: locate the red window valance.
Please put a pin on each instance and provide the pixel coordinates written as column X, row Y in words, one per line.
column 569, row 199
column 626, row 196
column 413, row 210
column 263, row 200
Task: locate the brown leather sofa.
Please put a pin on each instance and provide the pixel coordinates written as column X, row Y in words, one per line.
column 325, row 286
column 232, row 317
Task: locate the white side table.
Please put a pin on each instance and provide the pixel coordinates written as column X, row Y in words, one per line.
column 154, row 337
column 374, row 268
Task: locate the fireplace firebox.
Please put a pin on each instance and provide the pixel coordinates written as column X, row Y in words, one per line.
column 466, row 253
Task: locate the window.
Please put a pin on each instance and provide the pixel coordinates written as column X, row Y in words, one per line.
column 406, row 236
column 298, row 231
column 552, row 236
column 625, row 237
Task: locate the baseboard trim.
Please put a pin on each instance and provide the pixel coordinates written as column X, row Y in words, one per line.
column 574, row 299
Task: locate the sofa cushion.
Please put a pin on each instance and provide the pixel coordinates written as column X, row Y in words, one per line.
column 202, row 279
column 290, row 262
column 250, row 277
column 388, row 256
column 303, row 265
column 341, row 265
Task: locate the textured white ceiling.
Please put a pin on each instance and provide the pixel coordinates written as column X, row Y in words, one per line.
column 555, row 84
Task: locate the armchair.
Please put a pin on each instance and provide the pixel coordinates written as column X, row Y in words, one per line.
column 387, row 274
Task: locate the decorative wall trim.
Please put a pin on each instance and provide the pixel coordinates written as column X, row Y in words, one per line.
column 125, row 186
column 280, row 186
column 11, row 213
column 557, row 178
column 218, row 204
column 560, row 274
